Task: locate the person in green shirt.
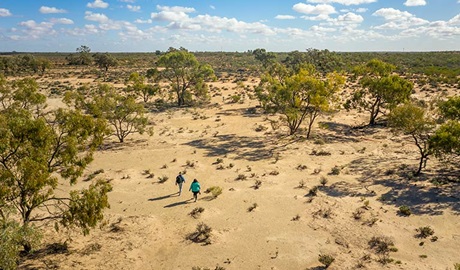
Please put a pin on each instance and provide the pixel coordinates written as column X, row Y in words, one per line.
column 195, row 188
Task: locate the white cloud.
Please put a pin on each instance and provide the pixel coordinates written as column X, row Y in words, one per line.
column 284, row 17
column 397, row 19
column 343, row 2
column 212, row 7
column 61, row 21
column 412, row 3
column 133, row 8
column 316, row 28
column 33, row 30
column 349, row 18
column 96, row 17
column 143, row 21
column 314, row 10
column 128, row 1
column 51, row 10
column 97, row 4
column 5, row 12
column 361, row 10
column 321, row 17
column 175, row 9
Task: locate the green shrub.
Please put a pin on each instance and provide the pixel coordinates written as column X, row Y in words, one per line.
column 214, row 190
column 335, row 170
column 326, row 259
column 424, row 232
column 404, row 210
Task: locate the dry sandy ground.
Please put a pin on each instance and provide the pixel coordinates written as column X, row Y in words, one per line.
column 147, row 224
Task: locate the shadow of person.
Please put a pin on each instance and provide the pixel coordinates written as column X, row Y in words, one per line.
column 177, row 203
column 163, row 197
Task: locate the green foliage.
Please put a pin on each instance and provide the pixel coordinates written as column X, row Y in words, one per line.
column 450, row 109
column 424, row 232
column 137, row 86
column 326, row 259
column 214, row 190
column 35, row 149
column 82, row 57
column 185, row 74
column 303, row 95
column 266, row 58
column 446, row 139
column 380, row 89
column 123, row 114
column 104, row 60
column 404, row 210
column 412, row 120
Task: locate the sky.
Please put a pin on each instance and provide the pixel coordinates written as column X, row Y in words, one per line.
column 229, row 25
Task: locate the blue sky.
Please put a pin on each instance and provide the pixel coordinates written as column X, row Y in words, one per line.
column 229, row 25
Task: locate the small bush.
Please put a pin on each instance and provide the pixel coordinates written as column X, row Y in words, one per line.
column 323, row 181
column 326, row 259
column 201, row 235
column 301, row 184
column 219, row 161
column 190, row 164
column 257, row 184
column 196, row 212
column 252, row 207
column 335, row 170
column 296, row 218
column 319, row 153
column 313, row 191
column 275, row 172
column 215, row 191
column 164, row 166
column 457, row 266
column 424, row 232
column 381, row 244
column 241, row 177
column 358, row 213
column 301, row 167
column 323, row 212
column 404, row 210
column 162, row 179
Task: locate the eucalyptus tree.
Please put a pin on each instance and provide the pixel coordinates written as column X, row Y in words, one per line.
column 380, row 89
column 184, row 73
column 37, row 149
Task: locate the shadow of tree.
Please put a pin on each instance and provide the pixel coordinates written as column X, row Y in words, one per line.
column 405, row 189
column 249, row 148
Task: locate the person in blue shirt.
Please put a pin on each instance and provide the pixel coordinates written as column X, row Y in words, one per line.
column 195, row 188
column 180, row 179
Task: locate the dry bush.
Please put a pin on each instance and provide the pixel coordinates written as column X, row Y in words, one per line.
column 202, row 234
column 326, row 259
column 252, row 207
column 196, row 212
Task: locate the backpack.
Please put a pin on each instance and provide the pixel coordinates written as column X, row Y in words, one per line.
column 180, row 179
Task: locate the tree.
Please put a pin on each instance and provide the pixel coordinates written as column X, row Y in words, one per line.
column 324, row 61
column 36, row 148
column 136, row 85
column 412, row 120
column 380, row 89
column 184, row 72
column 299, row 96
column 124, row 115
column 446, row 140
column 266, row 58
column 104, row 60
column 83, row 56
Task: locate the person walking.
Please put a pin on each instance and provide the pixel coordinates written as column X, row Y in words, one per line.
column 180, row 180
column 195, row 188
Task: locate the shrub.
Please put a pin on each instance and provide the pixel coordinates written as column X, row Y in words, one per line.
column 335, row 170
column 219, row 161
column 326, row 259
column 320, row 153
column 313, row 191
column 215, row 191
column 323, row 181
column 257, row 184
column 252, row 207
column 381, row 244
column 324, row 213
column 404, row 210
column 202, row 234
column 196, row 212
column 301, row 184
column 296, row 218
column 301, row 167
column 457, row 266
column 162, row 179
column 358, row 213
column 424, row 232
column 241, row 177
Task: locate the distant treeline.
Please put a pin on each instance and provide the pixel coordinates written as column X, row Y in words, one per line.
column 444, row 66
